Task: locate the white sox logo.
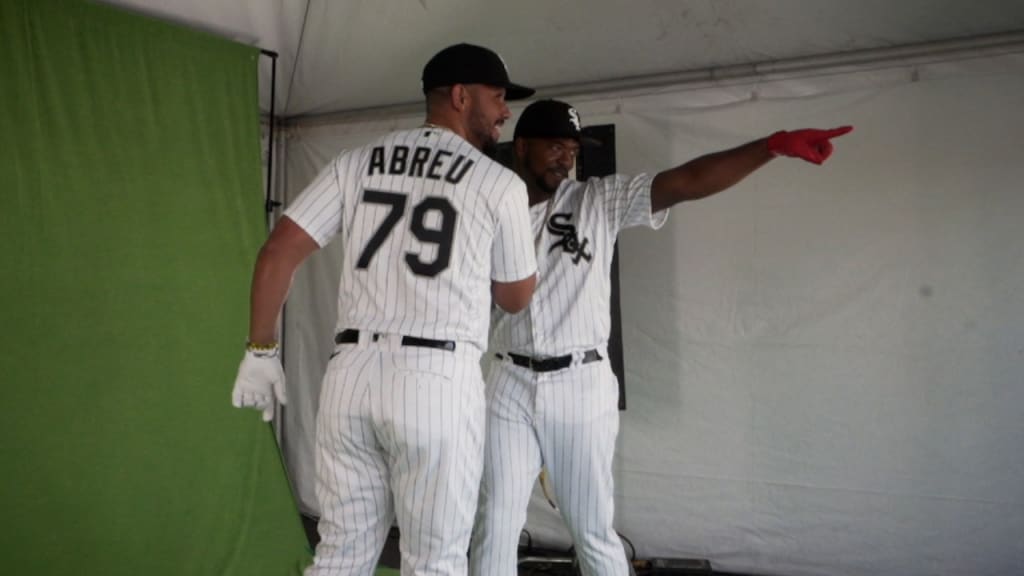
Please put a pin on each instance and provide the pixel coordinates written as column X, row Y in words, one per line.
column 574, row 117
column 559, row 225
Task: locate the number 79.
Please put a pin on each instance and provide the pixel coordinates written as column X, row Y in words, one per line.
column 441, row 236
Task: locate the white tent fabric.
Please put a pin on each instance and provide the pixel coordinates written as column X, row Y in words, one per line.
column 824, row 365
column 350, row 55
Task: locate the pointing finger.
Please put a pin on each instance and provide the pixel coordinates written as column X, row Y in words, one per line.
column 836, row 132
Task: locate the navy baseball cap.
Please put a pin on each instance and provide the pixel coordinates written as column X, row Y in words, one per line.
column 552, row 119
column 470, row 64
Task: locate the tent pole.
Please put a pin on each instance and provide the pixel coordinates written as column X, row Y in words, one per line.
column 269, row 203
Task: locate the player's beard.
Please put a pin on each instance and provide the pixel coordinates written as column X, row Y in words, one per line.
column 542, row 179
column 482, row 131
column 545, row 185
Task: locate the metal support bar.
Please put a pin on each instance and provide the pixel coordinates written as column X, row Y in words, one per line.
column 957, row 48
column 269, row 203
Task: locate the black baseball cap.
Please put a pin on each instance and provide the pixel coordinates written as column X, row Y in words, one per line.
column 552, row 119
column 470, row 64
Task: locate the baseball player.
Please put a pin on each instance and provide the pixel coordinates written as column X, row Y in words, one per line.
column 552, row 398
column 432, row 230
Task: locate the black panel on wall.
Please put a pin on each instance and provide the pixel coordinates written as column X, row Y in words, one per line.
column 598, row 161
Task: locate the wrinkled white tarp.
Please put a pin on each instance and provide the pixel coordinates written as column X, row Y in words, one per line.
column 824, row 365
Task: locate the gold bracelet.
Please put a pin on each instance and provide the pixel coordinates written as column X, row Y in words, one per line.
column 254, row 347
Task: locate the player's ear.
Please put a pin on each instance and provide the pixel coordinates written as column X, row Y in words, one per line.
column 520, row 146
column 459, row 95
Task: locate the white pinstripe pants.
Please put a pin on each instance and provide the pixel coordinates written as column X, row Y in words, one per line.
column 399, row 433
column 566, row 420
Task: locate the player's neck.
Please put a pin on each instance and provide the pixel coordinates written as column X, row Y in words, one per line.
column 439, row 122
column 537, row 195
column 435, row 126
column 450, row 122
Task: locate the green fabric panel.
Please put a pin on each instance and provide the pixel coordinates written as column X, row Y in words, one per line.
column 132, row 214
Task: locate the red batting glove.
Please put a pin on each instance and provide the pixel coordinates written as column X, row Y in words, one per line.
column 810, row 144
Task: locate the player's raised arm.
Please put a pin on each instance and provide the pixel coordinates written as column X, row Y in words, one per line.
column 715, row 172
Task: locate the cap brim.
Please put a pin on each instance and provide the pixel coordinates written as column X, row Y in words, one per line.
column 583, row 140
column 517, row 92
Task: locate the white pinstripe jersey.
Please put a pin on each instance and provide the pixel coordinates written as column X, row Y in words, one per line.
column 575, row 232
column 427, row 221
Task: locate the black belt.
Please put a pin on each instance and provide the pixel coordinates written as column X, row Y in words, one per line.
column 351, row 336
column 550, row 364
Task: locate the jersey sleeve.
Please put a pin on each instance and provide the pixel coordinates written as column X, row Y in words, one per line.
column 513, row 254
column 317, row 209
column 627, row 201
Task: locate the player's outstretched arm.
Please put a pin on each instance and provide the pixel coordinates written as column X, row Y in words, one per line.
column 513, row 297
column 718, row 171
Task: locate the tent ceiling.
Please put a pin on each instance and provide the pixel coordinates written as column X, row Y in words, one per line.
column 340, row 56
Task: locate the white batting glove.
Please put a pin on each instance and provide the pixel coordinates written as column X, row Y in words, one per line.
column 260, row 383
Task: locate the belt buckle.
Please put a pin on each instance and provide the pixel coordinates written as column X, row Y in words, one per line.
column 548, row 364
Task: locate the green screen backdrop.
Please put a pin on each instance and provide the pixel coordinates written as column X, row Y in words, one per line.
column 132, row 214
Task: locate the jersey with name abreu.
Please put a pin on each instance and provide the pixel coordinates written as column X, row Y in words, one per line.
column 426, row 222
column 575, row 234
